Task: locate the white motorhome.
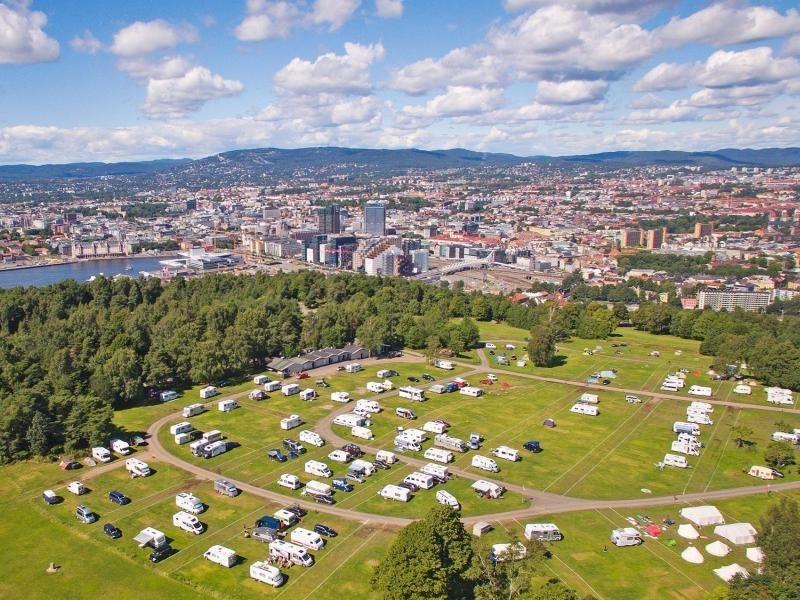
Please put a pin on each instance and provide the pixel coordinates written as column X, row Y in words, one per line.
column 197, row 447
column 307, row 394
column 317, row 488
column 208, row 392
column 183, row 520
column 120, row 447
column 434, row 427
column 585, row 409
column 370, row 406
column 385, row 373
column 696, row 406
column 366, row 467
column 320, row 469
column 469, row 390
column 286, row 517
column 350, row 420
column 414, row 435
column 485, row 463
column 306, row 538
column 272, row 386
column 290, row 389
column 449, row 442
column 685, row 448
column 376, row 387
column 401, row 443
column 699, row 418
column 77, row 488
column 342, row 397
column 588, row 398
column 421, row 480
column 311, row 437
column 137, row 468
column 395, row 492
column 290, row 481
column 782, row 436
column 227, row 405
column 405, row 413
column 764, row 472
column 291, row 552
column 444, row 364
column 626, row 536
column 439, row 455
column 101, row 454
column 436, row 470
column 699, row 390
column 260, row 379
column 446, row 498
column 221, row 555
column 388, row 457
column 506, row 453
column 183, row 427
column 365, row 433
column 339, row 456
column 291, row 422
column 488, row 488
column 673, row 460
column 544, row 532
column 150, row 537
column 690, row 428
column 412, row 393
column 193, row 410
column 190, row 503
column 168, row 395
column 353, row 368
column 264, row 572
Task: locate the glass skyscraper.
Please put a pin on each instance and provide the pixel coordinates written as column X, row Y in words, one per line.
column 375, row 219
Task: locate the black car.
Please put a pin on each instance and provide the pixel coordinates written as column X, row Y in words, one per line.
column 606, row 381
column 438, row 479
column 160, row 554
column 111, row 531
column 297, row 510
column 380, row 464
column 322, row 499
column 353, row 450
column 294, row 446
column 532, row 446
column 414, row 379
column 325, row 530
column 276, row 455
column 392, row 373
column 428, row 377
column 408, row 486
column 118, row 498
column 292, row 454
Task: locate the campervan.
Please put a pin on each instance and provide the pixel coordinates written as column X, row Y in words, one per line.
column 434, row 427
column 444, row 364
column 290, row 389
column 585, row 409
column 488, row 489
column 350, row 420
column 439, row 455
column 208, row 392
column 414, row 435
column 401, row 443
column 260, row 379
column 215, row 449
column 364, row 433
column 339, row 456
column 446, row 498
column 484, row 463
column 227, row 405
column 307, row 394
column 168, row 395
column 421, row 480
column 673, row 460
column 221, row 555
column 101, row 454
column 320, row 469
column 285, row 517
column 388, row 457
column 264, row 572
column 197, row 447
column 272, row 386
column 448, row 442
column 405, row 413
column 764, row 472
column 362, row 466
column 436, row 470
column 506, row 453
column 375, row 387
column 193, row 409
column 120, row 446
column 342, row 397
column 290, row 481
column 190, row 523
column 306, row 538
column 183, row 427
column 469, row 390
column 626, row 536
column 681, row 427
column 353, row 368
column 225, row 488
column 137, row 468
column 189, row 502
column 292, row 553
column 317, row 488
column 699, row 390
column 395, row 492
column 411, row 393
column 544, row 532
column 370, row 406
column 311, row 437
column 291, row 422
column 77, row 488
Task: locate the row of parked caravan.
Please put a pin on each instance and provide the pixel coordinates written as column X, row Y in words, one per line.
column 688, row 435
column 769, row 473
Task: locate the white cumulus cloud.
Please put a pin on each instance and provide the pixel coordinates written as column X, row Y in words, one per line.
column 460, row 66
column 346, row 73
column 143, row 37
column 754, row 66
column 570, row 92
column 333, row 13
column 266, row 20
column 86, row 43
column 22, row 36
column 389, row 9
column 666, row 76
column 177, row 96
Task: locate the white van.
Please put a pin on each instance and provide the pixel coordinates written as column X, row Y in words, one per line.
column 339, row 456
column 626, row 536
column 370, row 406
column 484, row 463
column 446, row 498
column 208, row 392
column 193, row 410
column 101, row 454
column 120, row 447
column 395, row 492
column 388, row 457
column 290, row 481
column 227, row 405
column 77, row 488
column 265, row 573
column 544, row 532
column 272, row 386
column 317, row 488
column 488, row 488
column 469, row 390
column 436, row 470
column 189, row 502
column 585, row 409
column 311, row 437
column 221, row 555
column 187, row 522
column 439, row 455
column 307, row 394
column 293, row 553
column 291, row 422
column 506, row 453
column 183, row 427
column 434, row 427
column 764, row 472
column 362, row 432
column 306, row 538
column 290, row 389
column 320, row 469
column 673, row 460
column 350, row 420
column 342, row 397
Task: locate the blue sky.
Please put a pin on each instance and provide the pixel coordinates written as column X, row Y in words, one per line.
column 115, row 81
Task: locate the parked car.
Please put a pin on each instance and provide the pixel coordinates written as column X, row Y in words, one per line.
column 161, row 553
column 302, row 374
column 118, row 498
column 324, row 530
column 392, row 373
column 294, row 446
column 297, row 510
column 353, row 450
column 276, row 455
column 353, row 476
column 111, row 531
column 380, row 464
column 321, row 499
column 428, row 377
column 414, row 379
column 442, row 422
column 606, row 381
column 409, row 486
column 341, row 484
column 532, row 446
column 340, row 367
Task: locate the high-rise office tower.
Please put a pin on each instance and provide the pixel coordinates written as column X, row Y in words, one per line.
column 375, row 219
column 328, row 220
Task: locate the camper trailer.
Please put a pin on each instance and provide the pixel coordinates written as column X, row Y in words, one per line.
column 704, row 407
column 421, row 480
column 183, row 427
column 506, row 453
column 673, row 460
column 444, row 364
column 260, row 379
column 484, row 463
column 439, row 455
column 208, row 392
column 414, row 435
column 488, row 489
column 227, row 405
column 187, row 522
column 435, row 470
column 272, row 386
column 306, row 538
column 686, row 448
column 120, row 447
column 291, row 422
column 434, row 427
column 353, row 368
column 257, row 395
column 289, row 481
column 442, row 440
column 221, row 555
column 363, row 466
column 77, row 488
column 168, row 395
column 319, row 469
column 342, row 397
column 339, row 456
column 764, row 472
column 264, row 572
column 588, row 398
column 585, row 409
column 446, row 498
column 214, row 435
column 317, row 488
column 307, row 394
column 311, row 437
column 626, row 536
column 699, row 390
column 401, row 443
column 437, row 388
column 290, row 389
column 215, row 449
column 388, row 457
column 371, row 406
column 386, row 373
column 361, row 432
column 743, row 388
column 699, row 418
column 189, row 503
column 411, row 393
column 472, row 391
column 137, row 468
column 544, row 532
column 782, row 436
column 197, row 447
column 375, row 387
column 296, row 555
column 101, row 454
column 193, row 410
column 395, row 492
column 350, row 420
column 690, row 428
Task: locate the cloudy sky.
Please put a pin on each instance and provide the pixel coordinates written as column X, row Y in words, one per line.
column 107, row 80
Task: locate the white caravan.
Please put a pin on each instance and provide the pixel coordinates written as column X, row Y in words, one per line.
column 342, row 397
column 101, row 454
column 585, row 409
column 506, row 453
column 265, row 573
column 439, row 455
column 412, row 393
column 289, row 481
column 311, row 437
column 544, row 532
column 395, row 492
column 317, row 488
column 319, row 469
column 435, row 470
column 484, row 463
column 137, row 468
column 190, row 503
column 388, row 457
column 421, row 480
column 293, row 553
column 370, row 406
column 306, row 538
column 446, row 498
column 488, row 488
column 673, row 460
column 290, row 389
column 291, row 422
column 361, row 432
column 221, row 555
column 208, row 392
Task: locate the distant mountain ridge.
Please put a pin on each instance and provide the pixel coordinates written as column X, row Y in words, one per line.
column 254, row 164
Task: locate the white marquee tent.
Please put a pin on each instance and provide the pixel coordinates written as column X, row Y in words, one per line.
column 688, row 532
column 737, row 533
column 730, row 571
column 703, row 515
column 692, row 555
column 718, row 548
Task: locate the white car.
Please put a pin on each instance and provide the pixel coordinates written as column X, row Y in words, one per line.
column 490, row 346
column 491, row 377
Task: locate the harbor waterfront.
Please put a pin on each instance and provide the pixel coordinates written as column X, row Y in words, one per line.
column 79, row 270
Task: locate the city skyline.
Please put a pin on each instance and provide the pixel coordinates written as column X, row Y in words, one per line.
column 523, row 76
